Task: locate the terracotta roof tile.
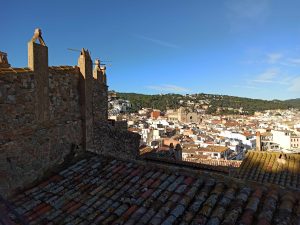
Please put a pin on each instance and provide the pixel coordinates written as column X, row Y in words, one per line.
column 104, row 191
column 270, row 167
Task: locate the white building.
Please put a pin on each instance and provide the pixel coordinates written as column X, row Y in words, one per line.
column 210, row 152
column 286, row 139
column 248, row 141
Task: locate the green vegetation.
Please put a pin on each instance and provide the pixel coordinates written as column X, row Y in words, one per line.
column 161, row 102
column 221, row 104
column 294, row 102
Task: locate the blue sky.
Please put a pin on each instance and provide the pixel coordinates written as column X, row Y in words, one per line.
column 248, row 48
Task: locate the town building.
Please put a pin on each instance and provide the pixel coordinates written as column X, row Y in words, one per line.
column 211, row 152
column 183, row 115
column 155, row 114
column 278, row 140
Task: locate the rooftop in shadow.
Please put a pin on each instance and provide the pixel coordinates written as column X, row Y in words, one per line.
column 105, row 190
column 271, row 167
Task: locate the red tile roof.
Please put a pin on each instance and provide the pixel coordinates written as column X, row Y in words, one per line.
column 214, row 162
column 101, row 190
column 271, row 167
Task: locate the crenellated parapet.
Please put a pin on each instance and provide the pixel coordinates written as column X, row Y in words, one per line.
column 99, row 73
column 100, row 92
column 3, row 60
column 48, row 113
column 86, row 97
column 51, row 115
column 38, row 62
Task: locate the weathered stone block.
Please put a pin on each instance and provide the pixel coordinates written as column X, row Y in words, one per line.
column 109, row 140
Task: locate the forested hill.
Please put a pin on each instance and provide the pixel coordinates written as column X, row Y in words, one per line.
column 228, row 104
column 294, row 102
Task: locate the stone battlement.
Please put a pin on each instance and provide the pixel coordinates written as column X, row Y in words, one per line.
column 49, row 115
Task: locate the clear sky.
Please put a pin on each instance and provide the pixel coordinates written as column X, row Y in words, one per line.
column 247, row 48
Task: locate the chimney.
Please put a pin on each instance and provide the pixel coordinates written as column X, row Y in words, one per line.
column 86, row 97
column 38, row 62
column 3, row 60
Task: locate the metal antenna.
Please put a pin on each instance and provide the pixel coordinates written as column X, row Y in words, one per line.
column 77, row 50
column 103, row 64
column 73, row 49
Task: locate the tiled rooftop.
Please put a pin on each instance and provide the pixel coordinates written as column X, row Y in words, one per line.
column 101, row 190
column 271, row 167
column 215, row 162
column 214, row 148
column 166, row 159
column 218, row 166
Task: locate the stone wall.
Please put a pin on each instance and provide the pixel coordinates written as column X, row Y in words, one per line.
column 28, row 146
column 120, row 125
column 49, row 114
column 109, row 140
column 63, row 92
column 33, row 150
column 110, row 137
column 17, row 101
column 100, row 101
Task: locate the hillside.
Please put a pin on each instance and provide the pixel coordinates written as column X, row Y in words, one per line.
column 294, row 102
column 226, row 104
